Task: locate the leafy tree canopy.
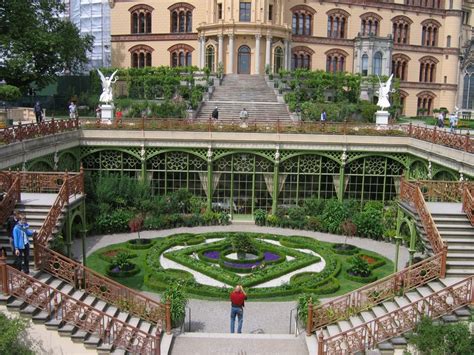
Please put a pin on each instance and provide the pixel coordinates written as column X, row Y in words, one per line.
column 36, row 44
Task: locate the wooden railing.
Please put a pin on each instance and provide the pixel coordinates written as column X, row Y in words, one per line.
column 367, row 335
column 61, row 306
column 416, row 275
column 10, row 183
column 22, row 132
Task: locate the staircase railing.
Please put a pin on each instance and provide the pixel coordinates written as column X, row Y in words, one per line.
column 370, row 295
column 367, row 335
column 468, row 203
column 11, row 184
column 61, row 306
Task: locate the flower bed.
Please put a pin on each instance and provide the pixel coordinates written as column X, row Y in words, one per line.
column 115, row 271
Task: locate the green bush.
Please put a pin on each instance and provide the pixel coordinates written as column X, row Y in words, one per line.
column 260, row 217
column 178, row 298
column 12, row 339
column 334, row 214
column 114, row 222
column 9, row 93
column 303, row 304
column 359, row 266
column 367, row 111
column 369, row 222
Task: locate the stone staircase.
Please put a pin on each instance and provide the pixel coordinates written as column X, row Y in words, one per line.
column 384, row 308
column 249, row 91
column 36, row 209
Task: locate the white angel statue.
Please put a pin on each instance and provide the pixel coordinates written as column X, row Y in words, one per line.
column 107, row 81
column 384, row 91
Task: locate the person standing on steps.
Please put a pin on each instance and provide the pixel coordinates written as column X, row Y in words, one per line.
column 215, row 113
column 12, row 221
column 237, row 299
column 21, row 232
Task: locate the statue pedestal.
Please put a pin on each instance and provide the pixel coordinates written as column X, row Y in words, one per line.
column 381, row 117
column 107, row 113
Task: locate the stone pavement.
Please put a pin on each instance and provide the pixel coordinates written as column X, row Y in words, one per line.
column 259, row 317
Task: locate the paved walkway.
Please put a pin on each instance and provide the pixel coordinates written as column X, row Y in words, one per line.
column 213, row 316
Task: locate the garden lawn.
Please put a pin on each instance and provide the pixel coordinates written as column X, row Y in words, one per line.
column 96, row 262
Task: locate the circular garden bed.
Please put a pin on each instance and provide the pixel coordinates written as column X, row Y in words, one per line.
column 208, row 265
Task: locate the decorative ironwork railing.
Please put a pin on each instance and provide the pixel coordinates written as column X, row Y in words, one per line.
column 381, row 290
column 367, row 335
column 443, row 191
column 59, row 305
column 468, row 203
column 22, row 132
column 102, row 287
column 10, row 183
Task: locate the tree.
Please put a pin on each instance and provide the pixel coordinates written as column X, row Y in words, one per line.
column 36, row 44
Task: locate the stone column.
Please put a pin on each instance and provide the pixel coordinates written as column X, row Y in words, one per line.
column 257, row 54
column 230, row 68
column 202, row 49
column 220, row 55
column 287, row 54
column 268, row 52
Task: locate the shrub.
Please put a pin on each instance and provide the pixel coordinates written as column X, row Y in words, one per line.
column 9, row 93
column 369, row 222
column 359, row 266
column 58, row 244
column 178, row 299
column 335, row 212
column 303, row 302
column 367, row 111
column 12, row 340
column 260, row 217
column 314, row 206
column 114, row 222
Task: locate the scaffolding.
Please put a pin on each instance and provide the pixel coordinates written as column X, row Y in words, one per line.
column 93, row 17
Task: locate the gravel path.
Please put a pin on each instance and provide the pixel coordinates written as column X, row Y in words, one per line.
column 213, row 316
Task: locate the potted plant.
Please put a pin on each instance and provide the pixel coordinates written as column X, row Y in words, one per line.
column 178, row 301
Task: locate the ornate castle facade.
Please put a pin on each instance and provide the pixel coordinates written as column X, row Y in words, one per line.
column 424, row 43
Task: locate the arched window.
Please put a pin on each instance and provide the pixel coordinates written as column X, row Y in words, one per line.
column 278, row 59
column 370, row 23
column 302, row 20
column 428, row 69
column 181, row 17
column 141, row 56
column 301, row 57
column 337, row 23
column 468, row 88
column 377, row 64
column 401, row 29
column 425, row 103
column 181, row 55
column 336, row 60
column 140, row 18
column 365, row 65
column 429, row 33
column 400, row 66
column 210, row 58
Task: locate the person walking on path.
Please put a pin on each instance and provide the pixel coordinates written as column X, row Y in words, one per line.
column 453, row 121
column 441, row 119
column 323, row 116
column 38, row 112
column 215, row 113
column 237, row 299
column 72, row 110
column 21, row 232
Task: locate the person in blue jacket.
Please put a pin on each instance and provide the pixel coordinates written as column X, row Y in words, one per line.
column 21, row 243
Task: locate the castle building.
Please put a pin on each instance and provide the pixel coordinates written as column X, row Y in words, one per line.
column 424, row 43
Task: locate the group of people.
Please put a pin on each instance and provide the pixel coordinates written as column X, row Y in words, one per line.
column 453, row 121
column 244, row 115
column 19, row 232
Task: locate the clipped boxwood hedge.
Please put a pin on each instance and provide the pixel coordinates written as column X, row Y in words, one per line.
column 108, row 258
column 139, row 244
column 378, row 261
column 345, row 249
column 361, row 279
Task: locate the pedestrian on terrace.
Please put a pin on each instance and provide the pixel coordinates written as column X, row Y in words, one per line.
column 21, row 243
column 237, row 299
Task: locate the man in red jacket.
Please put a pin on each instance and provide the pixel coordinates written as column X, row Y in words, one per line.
column 237, row 299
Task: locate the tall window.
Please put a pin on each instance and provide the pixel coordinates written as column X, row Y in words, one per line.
column 403, row 97
column 428, row 69
column 278, row 59
column 301, row 57
column 337, row 23
column 270, row 12
column 219, row 11
column 210, row 58
column 181, row 55
column 140, row 56
column 401, row 29
column 245, row 11
column 429, row 33
column 400, row 66
column 365, row 65
column 377, row 64
column 335, row 60
column 448, row 41
column 468, row 88
column 302, row 22
column 181, row 17
column 140, row 18
column 370, row 24
column 425, row 103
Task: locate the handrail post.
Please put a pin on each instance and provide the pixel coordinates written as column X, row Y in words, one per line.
column 321, row 343
column 443, row 261
column 36, row 253
column 467, row 142
column 4, row 273
column 309, row 321
column 168, row 317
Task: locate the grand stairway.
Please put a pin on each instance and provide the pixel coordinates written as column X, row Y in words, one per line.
column 249, row 91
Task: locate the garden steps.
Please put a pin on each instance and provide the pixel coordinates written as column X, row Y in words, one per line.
column 249, row 91
column 380, row 310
